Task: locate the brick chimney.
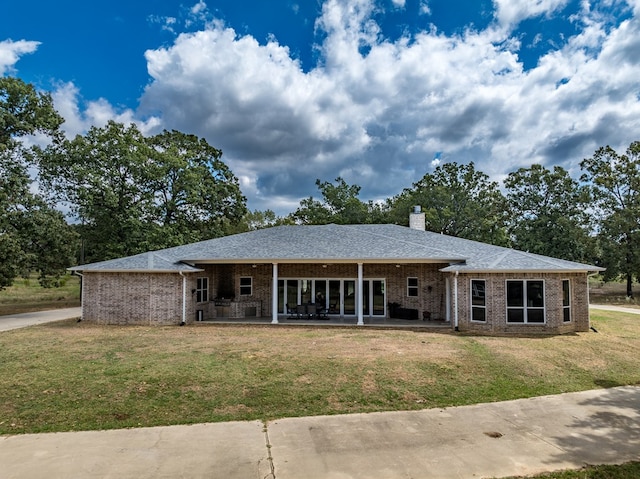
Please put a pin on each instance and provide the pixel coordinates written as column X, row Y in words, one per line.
column 416, row 219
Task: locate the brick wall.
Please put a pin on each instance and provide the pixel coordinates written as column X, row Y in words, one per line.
column 431, row 287
column 156, row 298
column 136, row 298
column 496, row 322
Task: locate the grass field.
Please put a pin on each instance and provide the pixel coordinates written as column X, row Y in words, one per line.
column 26, row 295
column 614, row 293
column 76, row 376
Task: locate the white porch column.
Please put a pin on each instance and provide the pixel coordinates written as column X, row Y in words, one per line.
column 359, row 296
column 447, row 295
column 274, row 295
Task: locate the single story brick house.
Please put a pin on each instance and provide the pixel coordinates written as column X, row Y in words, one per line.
column 358, row 273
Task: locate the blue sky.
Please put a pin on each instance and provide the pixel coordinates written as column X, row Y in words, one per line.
column 376, row 91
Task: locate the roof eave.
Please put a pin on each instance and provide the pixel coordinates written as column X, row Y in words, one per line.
column 112, row 270
column 451, row 269
column 323, row 261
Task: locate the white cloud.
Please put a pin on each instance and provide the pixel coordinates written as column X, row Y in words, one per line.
column 198, row 14
column 168, row 24
column 80, row 116
column 398, row 3
column 424, row 7
column 10, row 53
column 512, row 12
column 374, row 111
column 199, row 8
column 379, row 112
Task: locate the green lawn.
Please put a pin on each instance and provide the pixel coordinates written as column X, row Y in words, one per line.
column 76, row 376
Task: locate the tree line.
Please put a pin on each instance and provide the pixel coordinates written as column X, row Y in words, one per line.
column 128, row 193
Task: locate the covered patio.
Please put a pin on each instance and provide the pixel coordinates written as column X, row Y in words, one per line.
column 336, row 321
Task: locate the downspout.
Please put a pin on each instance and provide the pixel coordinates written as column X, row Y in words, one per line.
column 455, row 301
column 359, row 296
column 589, row 302
column 274, row 295
column 184, row 299
column 81, row 295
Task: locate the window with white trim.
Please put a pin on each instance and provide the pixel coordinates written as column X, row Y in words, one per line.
column 246, row 286
column 525, row 301
column 202, row 290
column 566, row 301
column 412, row 286
column 478, row 300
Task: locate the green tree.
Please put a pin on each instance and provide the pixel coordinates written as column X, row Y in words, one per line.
column 615, row 183
column 457, row 200
column 33, row 235
column 548, row 213
column 104, row 178
column 13, row 184
column 257, row 220
column 133, row 194
column 24, row 111
column 340, row 205
column 196, row 195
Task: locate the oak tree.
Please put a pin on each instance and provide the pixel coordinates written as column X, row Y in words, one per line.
column 548, row 213
column 615, row 184
column 34, row 237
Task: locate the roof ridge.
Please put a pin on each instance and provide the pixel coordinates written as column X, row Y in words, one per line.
column 499, row 257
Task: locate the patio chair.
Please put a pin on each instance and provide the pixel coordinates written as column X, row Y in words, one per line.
column 291, row 312
column 321, row 311
column 301, row 310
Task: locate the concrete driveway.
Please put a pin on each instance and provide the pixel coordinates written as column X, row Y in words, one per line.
column 519, row 437
column 23, row 320
column 621, row 309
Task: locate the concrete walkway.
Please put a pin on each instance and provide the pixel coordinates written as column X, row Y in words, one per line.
column 488, row 440
column 23, row 320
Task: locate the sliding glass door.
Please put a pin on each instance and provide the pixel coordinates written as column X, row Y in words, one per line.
column 348, row 297
column 338, row 296
column 373, row 297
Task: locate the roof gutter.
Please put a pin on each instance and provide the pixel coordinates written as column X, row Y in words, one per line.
column 449, row 269
column 169, row 271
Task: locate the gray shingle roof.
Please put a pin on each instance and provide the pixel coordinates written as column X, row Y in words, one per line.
column 340, row 243
column 155, row 261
